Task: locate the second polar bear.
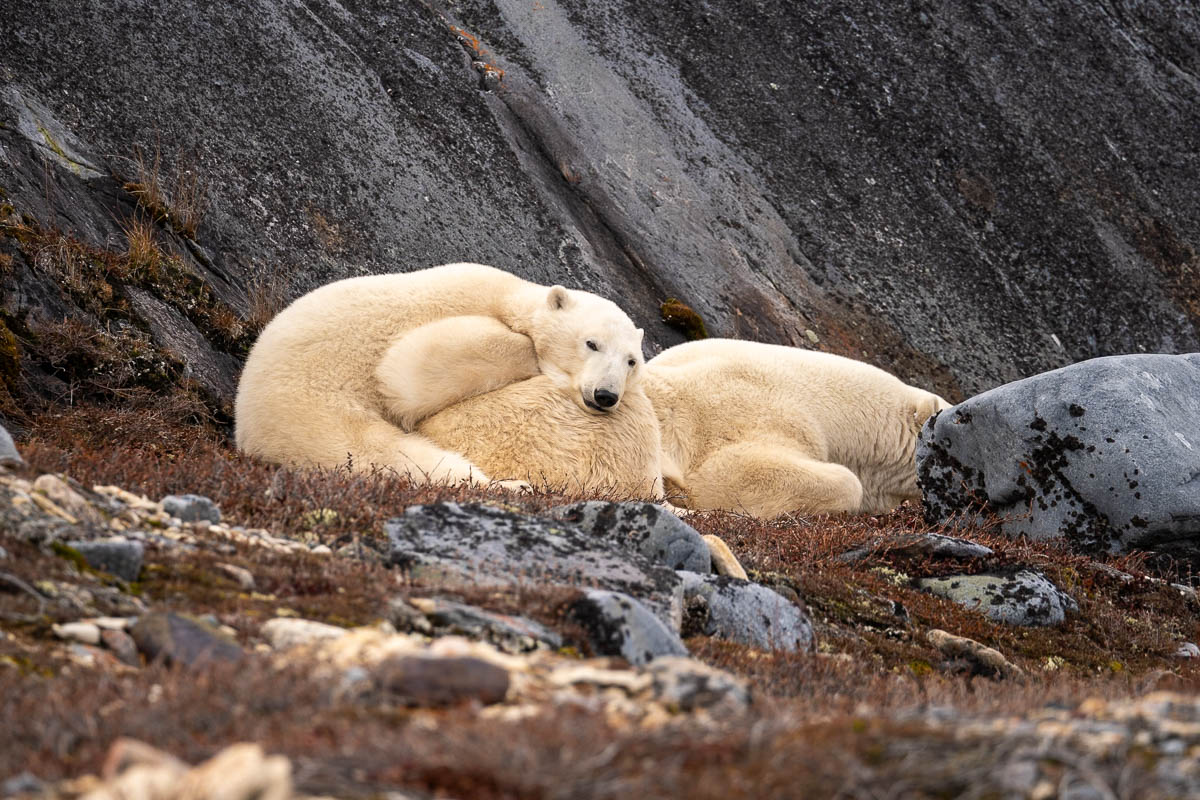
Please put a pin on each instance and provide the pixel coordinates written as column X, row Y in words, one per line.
column 740, row 426
column 767, row 429
column 342, row 372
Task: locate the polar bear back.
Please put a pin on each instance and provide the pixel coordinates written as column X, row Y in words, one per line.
column 307, row 393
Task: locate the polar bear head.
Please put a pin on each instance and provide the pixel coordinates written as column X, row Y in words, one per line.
column 588, row 347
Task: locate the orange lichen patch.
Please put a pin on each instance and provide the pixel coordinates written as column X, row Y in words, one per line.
column 468, row 41
column 490, row 74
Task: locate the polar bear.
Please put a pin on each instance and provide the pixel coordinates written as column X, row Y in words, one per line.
column 730, row 425
column 765, row 429
column 346, row 371
column 528, row 430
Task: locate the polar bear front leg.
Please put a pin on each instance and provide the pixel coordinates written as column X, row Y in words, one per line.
column 440, row 363
column 766, row 480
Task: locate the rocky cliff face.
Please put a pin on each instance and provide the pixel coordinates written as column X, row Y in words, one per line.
column 963, row 197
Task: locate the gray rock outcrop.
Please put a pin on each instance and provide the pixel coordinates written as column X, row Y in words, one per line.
column 487, row 545
column 1105, row 453
column 766, row 166
column 647, row 528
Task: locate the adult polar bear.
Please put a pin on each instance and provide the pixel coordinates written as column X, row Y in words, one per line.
column 345, row 371
column 757, row 428
column 767, row 429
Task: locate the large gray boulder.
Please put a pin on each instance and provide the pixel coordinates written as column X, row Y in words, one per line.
column 1105, row 453
column 480, row 544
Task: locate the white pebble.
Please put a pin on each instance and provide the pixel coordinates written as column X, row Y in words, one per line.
column 84, row 632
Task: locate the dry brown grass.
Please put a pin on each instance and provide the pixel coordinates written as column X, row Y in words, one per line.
column 268, row 296
column 142, row 254
column 177, row 199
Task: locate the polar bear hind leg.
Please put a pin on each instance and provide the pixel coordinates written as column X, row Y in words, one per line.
column 766, row 480
column 436, row 365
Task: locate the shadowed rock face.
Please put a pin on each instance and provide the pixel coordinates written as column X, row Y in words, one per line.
column 964, row 196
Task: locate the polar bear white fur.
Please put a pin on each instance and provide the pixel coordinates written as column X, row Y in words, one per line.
column 341, row 373
column 742, row 426
column 765, row 429
column 530, row 431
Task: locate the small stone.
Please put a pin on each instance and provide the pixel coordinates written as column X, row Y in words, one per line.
column 50, row 507
column 510, row 634
column 321, row 550
column 122, row 646
column 1021, row 597
column 425, row 682
column 688, row 684
column 920, row 545
column 84, row 632
column 191, row 508
column 115, row 555
column 179, row 640
column 9, row 455
column 618, row 625
column 23, row 782
column 285, row 633
column 66, row 498
column 724, row 562
column 645, row 527
column 748, row 613
column 986, row 660
column 405, row 617
column 811, row 335
column 3, row 554
column 110, row 623
column 240, row 575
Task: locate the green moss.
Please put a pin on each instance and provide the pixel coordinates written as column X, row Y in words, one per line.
column 70, row 554
column 920, row 667
column 10, row 356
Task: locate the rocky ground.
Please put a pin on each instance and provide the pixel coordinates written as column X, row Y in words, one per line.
column 344, row 627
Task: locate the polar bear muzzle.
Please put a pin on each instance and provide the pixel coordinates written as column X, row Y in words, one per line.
column 602, row 400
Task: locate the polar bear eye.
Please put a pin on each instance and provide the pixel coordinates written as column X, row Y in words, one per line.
column 592, row 345
column 632, row 363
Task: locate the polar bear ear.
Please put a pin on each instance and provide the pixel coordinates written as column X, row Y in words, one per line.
column 641, row 335
column 558, row 298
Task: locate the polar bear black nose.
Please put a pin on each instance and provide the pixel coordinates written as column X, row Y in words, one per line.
column 604, row 398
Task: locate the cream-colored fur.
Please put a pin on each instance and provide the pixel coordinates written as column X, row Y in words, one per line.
column 742, row 426
column 767, row 429
column 439, row 363
column 312, row 392
column 529, row 431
